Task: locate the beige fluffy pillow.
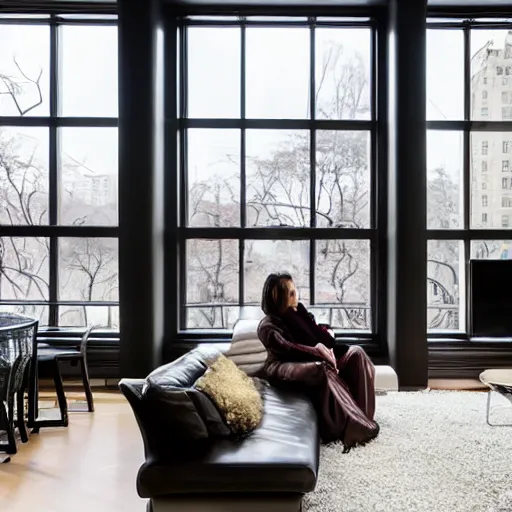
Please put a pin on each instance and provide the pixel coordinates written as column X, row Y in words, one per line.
column 235, row 395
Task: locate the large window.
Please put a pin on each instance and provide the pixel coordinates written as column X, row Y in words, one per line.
column 58, row 169
column 277, row 167
column 467, row 166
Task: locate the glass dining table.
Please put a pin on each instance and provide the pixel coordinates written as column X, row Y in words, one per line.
column 18, row 373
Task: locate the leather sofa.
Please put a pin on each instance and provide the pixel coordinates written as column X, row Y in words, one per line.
column 270, row 470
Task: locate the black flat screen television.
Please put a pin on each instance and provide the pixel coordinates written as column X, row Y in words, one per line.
column 491, row 298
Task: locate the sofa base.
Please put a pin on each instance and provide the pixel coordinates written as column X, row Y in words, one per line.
column 227, row 503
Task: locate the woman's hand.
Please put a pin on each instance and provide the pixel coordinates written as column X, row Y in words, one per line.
column 327, row 354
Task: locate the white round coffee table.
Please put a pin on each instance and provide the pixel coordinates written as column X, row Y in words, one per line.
column 500, row 381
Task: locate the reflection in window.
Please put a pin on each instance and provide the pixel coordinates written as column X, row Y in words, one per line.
column 485, row 147
column 24, row 70
column 484, row 218
column 484, row 200
column 443, row 284
column 88, row 269
column 89, row 71
column 444, row 179
column 212, row 283
column 505, row 165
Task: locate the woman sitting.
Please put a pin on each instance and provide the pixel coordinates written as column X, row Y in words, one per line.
column 340, row 379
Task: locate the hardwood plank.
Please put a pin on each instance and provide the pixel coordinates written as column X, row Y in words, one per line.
column 91, row 466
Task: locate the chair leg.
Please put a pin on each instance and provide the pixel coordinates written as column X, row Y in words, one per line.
column 488, row 417
column 11, row 437
column 61, row 396
column 87, row 384
column 20, row 406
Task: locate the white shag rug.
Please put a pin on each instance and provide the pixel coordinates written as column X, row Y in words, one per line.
column 435, row 453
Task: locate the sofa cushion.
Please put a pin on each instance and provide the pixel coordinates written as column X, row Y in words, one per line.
column 234, row 394
column 181, row 411
column 281, row 455
column 246, row 350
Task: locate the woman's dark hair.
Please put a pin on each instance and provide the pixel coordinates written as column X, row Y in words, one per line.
column 274, row 297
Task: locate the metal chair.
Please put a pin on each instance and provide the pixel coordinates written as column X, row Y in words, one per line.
column 51, row 356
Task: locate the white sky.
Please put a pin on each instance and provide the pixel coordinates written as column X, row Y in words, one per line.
column 88, row 87
column 277, row 84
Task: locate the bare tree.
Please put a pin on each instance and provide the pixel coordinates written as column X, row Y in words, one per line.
column 24, row 201
column 90, row 266
column 212, row 264
column 278, row 192
column 443, row 258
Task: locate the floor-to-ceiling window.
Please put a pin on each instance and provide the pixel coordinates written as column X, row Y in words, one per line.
column 277, row 165
column 469, row 172
column 58, row 168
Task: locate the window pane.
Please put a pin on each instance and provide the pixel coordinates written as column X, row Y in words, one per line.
column 212, row 283
column 213, row 72
column 342, row 284
column 343, row 179
column 24, row 176
column 491, row 197
column 444, row 287
column 277, row 73
column 262, row 257
column 88, row 173
column 491, row 72
column 37, row 312
column 88, row 269
column 83, row 316
column 213, row 178
column 24, row 270
column 89, row 71
column 445, row 74
column 278, row 178
column 24, row 70
column 342, row 74
column 444, row 179
column 491, row 250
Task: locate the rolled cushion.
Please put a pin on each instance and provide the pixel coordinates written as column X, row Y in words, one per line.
column 245, row 330
column 234, row 394
column 246, row 350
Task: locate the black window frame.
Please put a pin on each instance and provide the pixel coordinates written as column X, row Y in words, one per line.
column 466, row 234
column 178, row 232
column 56, row 18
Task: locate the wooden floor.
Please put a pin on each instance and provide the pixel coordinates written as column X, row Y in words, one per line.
column 90, row 466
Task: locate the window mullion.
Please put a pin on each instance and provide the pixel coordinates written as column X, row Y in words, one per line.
column 466, row 183
column 243, row 170
column 183, row 170
column 312, row 161
column 54, row 173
